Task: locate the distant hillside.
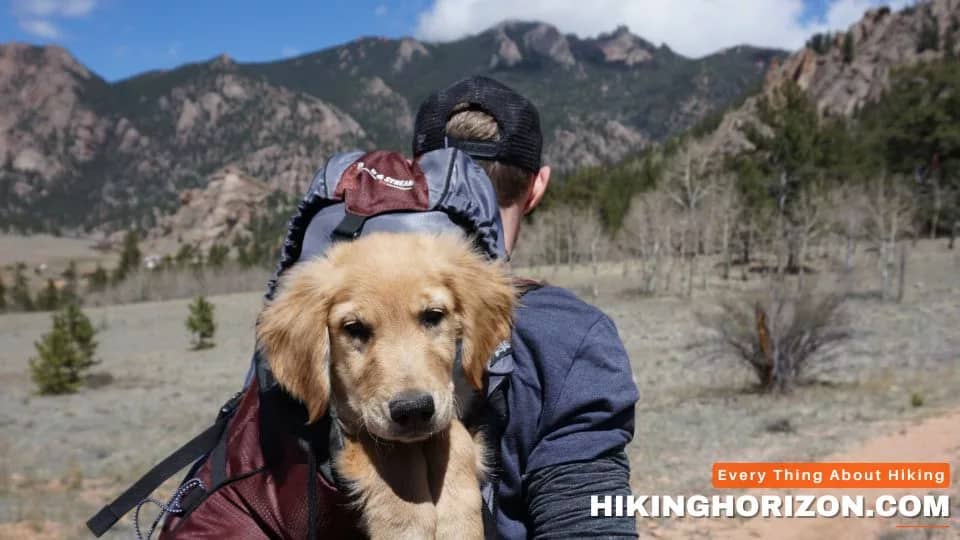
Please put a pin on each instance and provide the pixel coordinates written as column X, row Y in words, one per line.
column 76, row 151
column 617, row 85
column 845, row 72
column 864, row 109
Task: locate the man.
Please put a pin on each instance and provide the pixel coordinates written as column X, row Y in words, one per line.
column 563, row 399
column 571, row 394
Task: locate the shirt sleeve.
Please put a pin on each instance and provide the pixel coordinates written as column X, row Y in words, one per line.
column 592, row 414
column 558, row 499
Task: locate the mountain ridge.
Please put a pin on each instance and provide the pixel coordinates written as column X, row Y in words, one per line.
column 109, row 155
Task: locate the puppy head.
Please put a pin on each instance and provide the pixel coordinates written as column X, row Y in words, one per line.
column 375, row 324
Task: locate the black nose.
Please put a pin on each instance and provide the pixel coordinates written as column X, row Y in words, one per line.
column 411, row 407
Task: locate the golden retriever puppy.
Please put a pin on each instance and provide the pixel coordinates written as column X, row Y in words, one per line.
column 370, row 333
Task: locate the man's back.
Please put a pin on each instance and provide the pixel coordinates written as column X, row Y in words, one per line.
column 571, row 405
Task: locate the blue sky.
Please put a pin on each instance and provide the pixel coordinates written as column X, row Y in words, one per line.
column 119, row 38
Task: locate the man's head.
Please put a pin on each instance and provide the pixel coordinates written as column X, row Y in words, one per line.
column 500, row 129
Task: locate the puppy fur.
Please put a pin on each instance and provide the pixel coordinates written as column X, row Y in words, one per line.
column 377, row 319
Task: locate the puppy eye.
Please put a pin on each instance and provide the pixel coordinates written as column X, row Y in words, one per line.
column 357, row 330
column 432, row 317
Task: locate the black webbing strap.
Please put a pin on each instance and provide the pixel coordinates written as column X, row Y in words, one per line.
column 489, row 524
column 499, row 417
column 218, row 464
column 474, row 148
column 311, row 493
column 108, row 516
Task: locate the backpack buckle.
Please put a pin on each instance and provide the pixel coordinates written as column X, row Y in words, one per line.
column 349, row 228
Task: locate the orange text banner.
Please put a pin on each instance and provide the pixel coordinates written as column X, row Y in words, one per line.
column 861, row 475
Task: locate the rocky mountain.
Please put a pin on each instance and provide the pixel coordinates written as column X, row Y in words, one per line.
column 219, row 212
column 49, row 125
column 77, row 151
column 616, row 88
column 843, row 72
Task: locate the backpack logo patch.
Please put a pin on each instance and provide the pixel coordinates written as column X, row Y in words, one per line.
column 395, row 183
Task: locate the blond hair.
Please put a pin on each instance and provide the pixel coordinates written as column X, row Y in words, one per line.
column 509, row 181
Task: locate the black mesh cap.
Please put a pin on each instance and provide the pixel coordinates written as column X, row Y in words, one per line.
column 517, row 119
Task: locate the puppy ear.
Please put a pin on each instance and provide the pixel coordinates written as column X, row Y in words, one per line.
column 485, row 298
column 292, row 332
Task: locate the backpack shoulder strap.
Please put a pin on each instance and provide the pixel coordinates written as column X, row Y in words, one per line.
column 498, row 384
column 196, row 448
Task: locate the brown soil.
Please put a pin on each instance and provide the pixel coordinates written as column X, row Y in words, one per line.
column 934, row 440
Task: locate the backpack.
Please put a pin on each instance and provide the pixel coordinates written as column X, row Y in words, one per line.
column 354, row 193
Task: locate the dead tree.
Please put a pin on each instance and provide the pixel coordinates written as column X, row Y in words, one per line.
column 687, row 184
column 727, row 205
column 889, row 209
column 807, row 215
column 937, row 205
column 536, row 248
column 780, row 337
column 589, row 241
column 646, row 228
column 848, row 223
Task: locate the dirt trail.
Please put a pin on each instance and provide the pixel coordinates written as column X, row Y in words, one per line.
column 935, row 439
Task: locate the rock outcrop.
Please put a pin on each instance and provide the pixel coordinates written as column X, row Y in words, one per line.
column 841, row 81
column 218, row 213
column 623, row 47
column 47, row 126
column 881, row 41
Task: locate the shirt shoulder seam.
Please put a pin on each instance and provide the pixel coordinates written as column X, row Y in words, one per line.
column 573, row 359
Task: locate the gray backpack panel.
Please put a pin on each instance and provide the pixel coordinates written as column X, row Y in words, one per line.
column 461, row 198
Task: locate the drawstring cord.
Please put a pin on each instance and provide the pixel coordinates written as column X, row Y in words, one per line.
column 171, row 507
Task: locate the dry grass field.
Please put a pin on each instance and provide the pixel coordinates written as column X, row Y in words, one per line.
column 62, row 457
column 55, row 251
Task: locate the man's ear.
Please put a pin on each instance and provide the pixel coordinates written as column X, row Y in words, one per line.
column 538, row 188
column 293, row 335
column 485, row 299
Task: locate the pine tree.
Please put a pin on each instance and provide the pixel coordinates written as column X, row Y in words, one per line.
column 950, row 40
column 20, row 293
column 785, row 162
column 99, row 279
column 49, row 298
column 71, row 289
column 820, row 43
column 929, row 39
column 65, row 353
column 130, row 256
column 186, row 256
column 201, row 323
column 242, row 258
column 848, row 48
column 82, row 333
column 217, row 255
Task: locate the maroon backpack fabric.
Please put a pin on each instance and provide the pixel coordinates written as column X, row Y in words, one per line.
column 260, row 497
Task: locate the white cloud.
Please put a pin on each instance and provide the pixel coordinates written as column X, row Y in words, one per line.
column 40, row 28
column 380, row 10
column 54, row 8
column 287, row 51
column 37, row 16
column 691, row 27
